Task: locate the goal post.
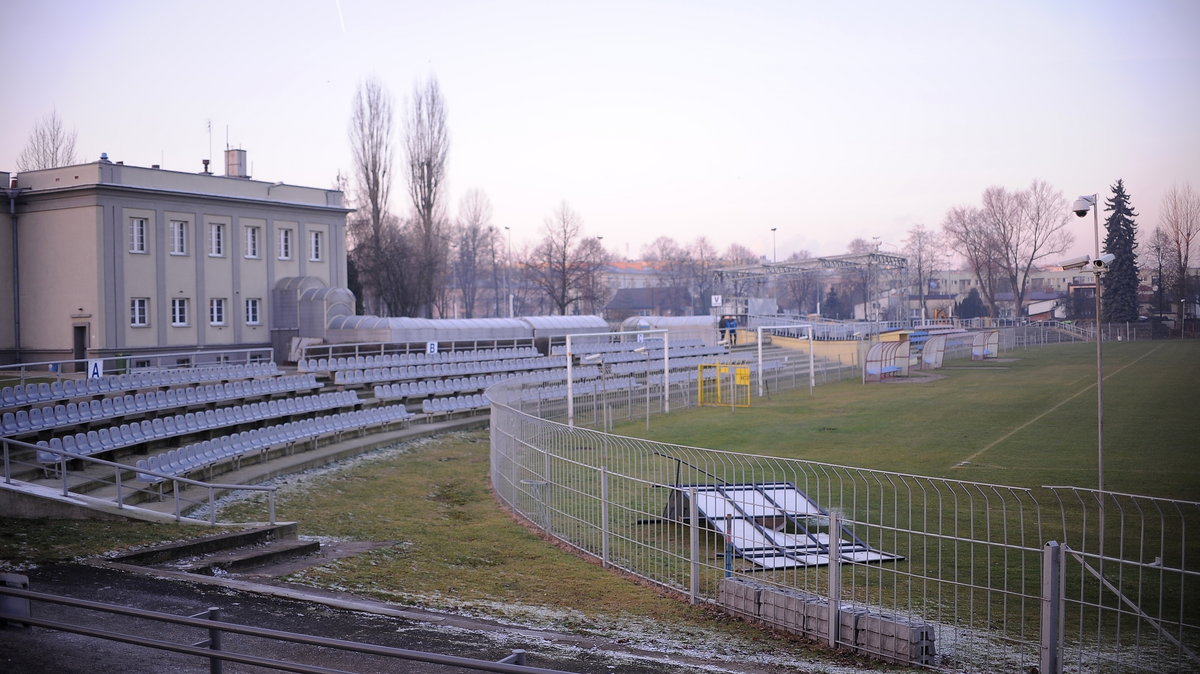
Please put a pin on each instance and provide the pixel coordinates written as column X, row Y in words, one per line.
column 799, row 330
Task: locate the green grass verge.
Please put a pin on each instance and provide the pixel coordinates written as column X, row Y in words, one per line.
column 450, row 540
column 32, row 542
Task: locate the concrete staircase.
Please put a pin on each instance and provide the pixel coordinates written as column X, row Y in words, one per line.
column 236, row 552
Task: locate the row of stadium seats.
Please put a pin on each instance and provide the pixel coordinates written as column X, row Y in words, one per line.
column 581, row 388
column 27, row 394
column 74, row 414
column 128, row 435
column 582, row 346
column 640, row 366
column 420, row 358
column 442, row 370
column 454, row 404
column 434, row 387
column 186, row 459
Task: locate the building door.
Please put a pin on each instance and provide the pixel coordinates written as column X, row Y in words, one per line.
column 79, row 347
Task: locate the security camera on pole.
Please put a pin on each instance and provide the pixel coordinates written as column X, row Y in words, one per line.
column 1097, row 265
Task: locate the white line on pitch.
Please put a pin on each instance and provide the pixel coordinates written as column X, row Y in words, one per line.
column 1066, row 400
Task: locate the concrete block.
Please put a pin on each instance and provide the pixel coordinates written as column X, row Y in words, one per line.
column 848, row 618
column 740, row 596
column 783, row 608
column 816, row 618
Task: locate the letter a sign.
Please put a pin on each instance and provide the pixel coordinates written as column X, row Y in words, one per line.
column 95, row 368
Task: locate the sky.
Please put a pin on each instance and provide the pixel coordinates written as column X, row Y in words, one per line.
column 826, row 121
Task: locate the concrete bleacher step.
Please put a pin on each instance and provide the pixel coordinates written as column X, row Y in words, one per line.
column 234, row 552
column 245, row 559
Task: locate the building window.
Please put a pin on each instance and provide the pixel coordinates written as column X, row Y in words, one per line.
column 285, row 244
column 252, row 242
column 315, row 246
column 137, row 235
column 179, row 311
column 178, row 237
column 216, row 240
column 252, row 313
column 139, row 312
column 216, row 311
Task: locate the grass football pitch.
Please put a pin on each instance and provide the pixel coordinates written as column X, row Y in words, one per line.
column 1027, row 418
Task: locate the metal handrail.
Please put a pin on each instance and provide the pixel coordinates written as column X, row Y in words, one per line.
column 176, row 481
column 214, row 653
column 197, row 358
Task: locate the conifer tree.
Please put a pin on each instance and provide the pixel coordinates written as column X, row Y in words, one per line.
column 972, row 306
column 1120, row 282
column 832, row 306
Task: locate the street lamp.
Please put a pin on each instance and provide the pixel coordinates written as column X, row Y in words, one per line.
column 774, row 250
column 1081, row 207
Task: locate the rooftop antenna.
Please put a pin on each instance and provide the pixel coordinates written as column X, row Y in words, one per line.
column 209, row 121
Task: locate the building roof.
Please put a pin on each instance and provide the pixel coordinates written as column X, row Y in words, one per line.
column 119, row 177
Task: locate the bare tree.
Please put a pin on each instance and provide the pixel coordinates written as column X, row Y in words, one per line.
column 924, row 250
column 1009, row 235
column 372, row 151
column 1162, row 259
column 593, row 257
column 1041, row 232
column 427, row 142
column 967, row 234
column 1181, row 225
column 803, row 291
column 860, row 246
column 739, row 255
column 396, row 266
column 49, row 145
column 474, row 237
column 672, row 262
column 866, row 277
column 556, row 263
column 703, row 261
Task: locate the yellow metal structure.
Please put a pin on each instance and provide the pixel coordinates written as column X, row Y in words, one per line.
column 723, row 385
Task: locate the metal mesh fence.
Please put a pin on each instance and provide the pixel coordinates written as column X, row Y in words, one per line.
column 967, row 557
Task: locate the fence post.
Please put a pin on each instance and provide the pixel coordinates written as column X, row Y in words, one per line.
column 1052, row 609
column 728, row 544
column 694, row 521
column 835, row 576
column 604, row 516
column 213, row 643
